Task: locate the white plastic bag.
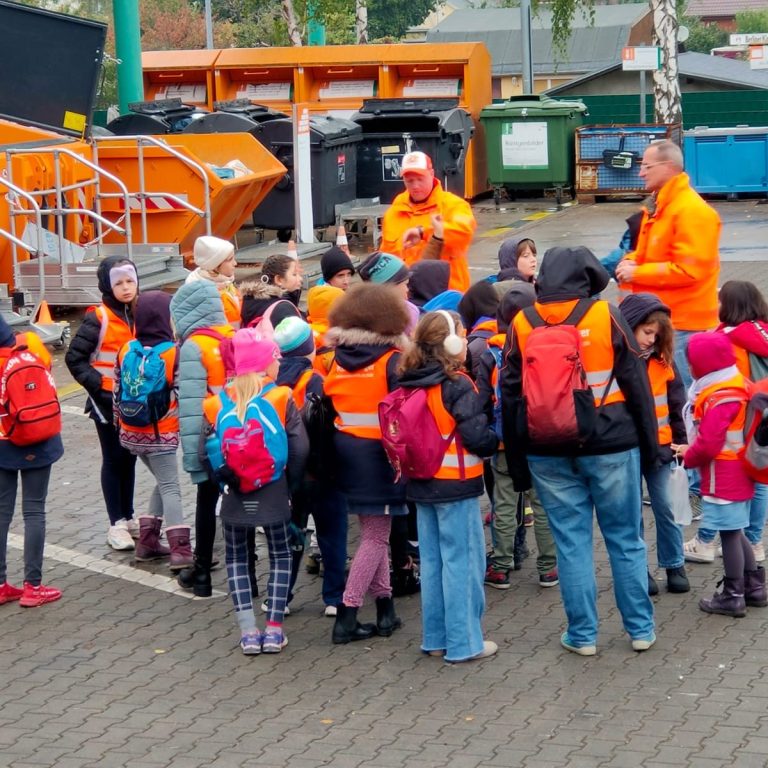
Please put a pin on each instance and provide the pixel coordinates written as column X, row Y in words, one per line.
column 679, row 494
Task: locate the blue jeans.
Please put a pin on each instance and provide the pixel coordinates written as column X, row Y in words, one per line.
column 452, row 549
column 681, row 356
column 569, row 489
column 669, row 535
column 757, row 513
column 329, row 510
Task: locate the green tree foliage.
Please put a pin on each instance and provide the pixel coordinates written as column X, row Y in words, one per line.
column 752, row 21
column 703, row 37
column 391, row 18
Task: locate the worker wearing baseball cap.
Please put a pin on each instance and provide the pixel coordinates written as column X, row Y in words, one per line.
column 426, row 221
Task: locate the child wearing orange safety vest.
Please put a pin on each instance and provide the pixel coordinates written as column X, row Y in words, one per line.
column 451, row 540
column 714, row 419
column 91, row 361
column 215, row 261
column 650, row 321
column 156, row 444
column 507, row 524
column 268, row 506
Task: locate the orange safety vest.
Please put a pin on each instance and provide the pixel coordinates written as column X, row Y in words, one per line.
column 300, row 388
column 450, row 468
column 114, row 333
column 596, row 345
column 713, row 395
column 169, row 422
column 660, row 374
column 32, row 342
column 232, row 308
column 486, row 325
column 210, row 354
column 278, row 397
column 356, row 396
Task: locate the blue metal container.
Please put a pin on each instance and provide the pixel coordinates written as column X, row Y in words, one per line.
column 727, row 161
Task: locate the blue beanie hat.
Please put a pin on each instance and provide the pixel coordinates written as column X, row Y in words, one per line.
column 294, row 337
column 382, row 267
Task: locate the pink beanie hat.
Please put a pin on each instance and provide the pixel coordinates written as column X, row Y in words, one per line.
column 253, row 353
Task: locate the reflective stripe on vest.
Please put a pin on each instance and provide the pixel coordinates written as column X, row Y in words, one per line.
column 659, row 376
column 356, row 396
column 450, row 467
column 596, row 344
column 113, row 333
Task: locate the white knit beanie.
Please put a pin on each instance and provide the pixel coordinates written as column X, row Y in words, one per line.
column 209, row 252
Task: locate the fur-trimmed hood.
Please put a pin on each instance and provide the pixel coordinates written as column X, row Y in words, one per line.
column 257, row 289
column 356, row 347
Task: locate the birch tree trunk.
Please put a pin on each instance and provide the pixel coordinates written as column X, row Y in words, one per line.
column 666, row 87
column 289, row 16
column 361, row 22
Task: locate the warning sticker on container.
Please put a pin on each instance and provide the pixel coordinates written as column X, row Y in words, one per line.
column 390, row 167
column 434, row 86
column 341, row 168
column 339, row 89
column 194, row 92
column 74, row 121
column 524, row 146
column 266, row 91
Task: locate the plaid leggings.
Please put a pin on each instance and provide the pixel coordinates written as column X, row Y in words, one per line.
column 235, row 540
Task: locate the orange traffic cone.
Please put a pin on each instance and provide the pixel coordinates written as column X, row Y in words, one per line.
column 44, row 314
column 292, row 251
column 341, row 239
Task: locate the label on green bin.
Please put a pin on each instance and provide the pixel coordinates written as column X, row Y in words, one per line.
column 524, row 146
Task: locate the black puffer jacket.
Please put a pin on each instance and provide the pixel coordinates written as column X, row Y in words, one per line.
column 463, row 403
column 83, row 345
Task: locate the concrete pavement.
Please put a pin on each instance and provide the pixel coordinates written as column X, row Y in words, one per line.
column 124, row 670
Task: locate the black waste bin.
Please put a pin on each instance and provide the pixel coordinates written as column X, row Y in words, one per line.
column 392, row 127
column 155, row 117
column 333, row 163
column 239, row 116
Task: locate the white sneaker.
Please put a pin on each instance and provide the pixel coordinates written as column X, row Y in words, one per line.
column 119, row 537
column 330, row 611
column 133, row 527
column 759, row 551
column 265, row 609
column 697, row 551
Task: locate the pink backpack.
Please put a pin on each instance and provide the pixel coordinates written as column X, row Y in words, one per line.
column 410, row 435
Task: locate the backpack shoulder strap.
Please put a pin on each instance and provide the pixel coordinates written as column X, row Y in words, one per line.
column 727, row 395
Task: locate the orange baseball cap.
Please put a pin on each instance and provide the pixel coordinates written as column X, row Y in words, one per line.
column 416, row 162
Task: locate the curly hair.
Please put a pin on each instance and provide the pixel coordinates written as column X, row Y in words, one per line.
column 428, row 344
column 276, row 265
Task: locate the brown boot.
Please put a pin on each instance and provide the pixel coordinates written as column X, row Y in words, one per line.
column 148, row 547
column 181, row 549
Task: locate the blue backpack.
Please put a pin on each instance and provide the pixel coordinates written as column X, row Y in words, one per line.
column 145, row 395
column 248, row 454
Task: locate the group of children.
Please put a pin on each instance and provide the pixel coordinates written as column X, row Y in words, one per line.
column 276, row 413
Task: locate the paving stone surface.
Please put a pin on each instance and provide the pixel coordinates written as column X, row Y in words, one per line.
column 121, row 673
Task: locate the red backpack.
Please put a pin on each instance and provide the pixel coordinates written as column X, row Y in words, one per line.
column 410, row 435
column 29, row 406
column 559, row 404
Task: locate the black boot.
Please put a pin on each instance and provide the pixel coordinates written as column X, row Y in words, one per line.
column 347, row 628
column 405, row 581
column 754, row 588
column 197, row 578
column 653, row 587
column 677, row 580
column 387, row 621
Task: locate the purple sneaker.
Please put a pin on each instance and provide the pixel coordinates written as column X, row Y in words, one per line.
column 250, row 643
column 274, row 640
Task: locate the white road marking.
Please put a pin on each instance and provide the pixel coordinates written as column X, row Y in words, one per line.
column 115, row 570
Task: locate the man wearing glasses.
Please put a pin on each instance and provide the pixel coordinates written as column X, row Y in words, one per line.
column 677, row 255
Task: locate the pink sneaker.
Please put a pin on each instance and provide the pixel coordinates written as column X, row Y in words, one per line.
column 34, row 596
column 9, row 593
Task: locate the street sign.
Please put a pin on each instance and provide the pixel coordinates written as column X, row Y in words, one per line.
column 639, row 58
column 758, row 56
column 753, row 38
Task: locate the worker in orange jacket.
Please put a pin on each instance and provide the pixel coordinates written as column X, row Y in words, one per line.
column 677, row 256
column 409, row 224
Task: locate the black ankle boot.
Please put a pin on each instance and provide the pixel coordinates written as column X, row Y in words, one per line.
column 387, row 621
column 347, row 628
column 677, row 580
column 197, row 578
column 405, row 581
